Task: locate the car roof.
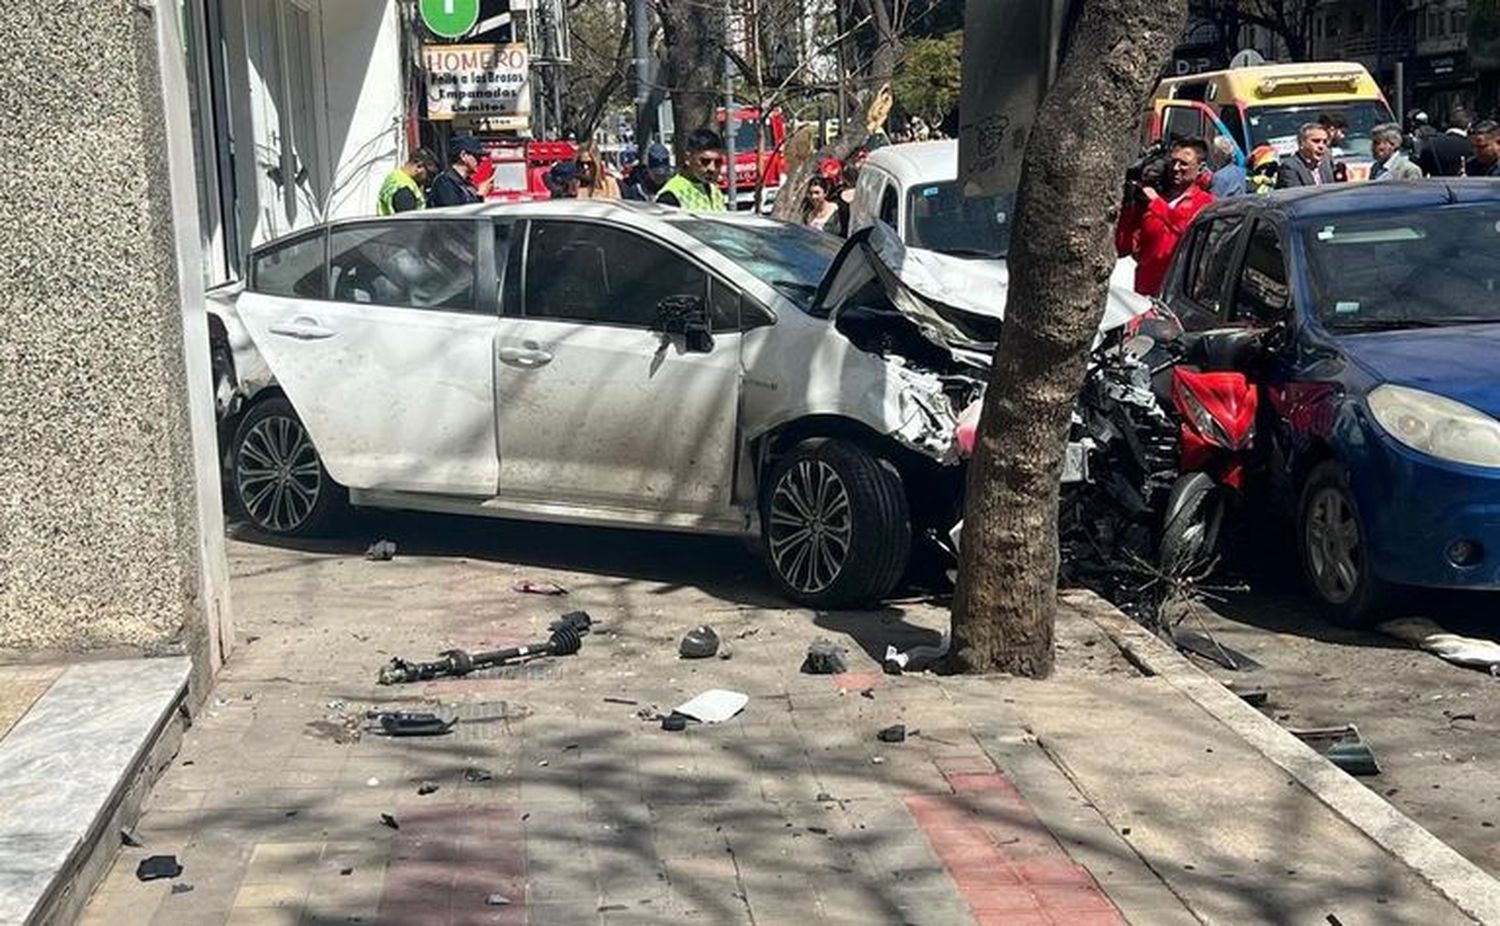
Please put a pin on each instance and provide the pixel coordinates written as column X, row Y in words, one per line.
column 1341, row 199
column 918, row 162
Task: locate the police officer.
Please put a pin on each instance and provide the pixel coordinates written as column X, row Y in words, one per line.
column 695, row 186
column 455, row 186
column 403, row 189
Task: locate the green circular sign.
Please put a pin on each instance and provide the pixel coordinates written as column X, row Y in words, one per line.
column 451, row 19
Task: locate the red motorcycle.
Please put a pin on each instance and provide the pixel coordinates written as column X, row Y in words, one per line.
column 1216, row 404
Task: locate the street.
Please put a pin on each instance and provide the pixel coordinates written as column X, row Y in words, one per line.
column 1432, row 725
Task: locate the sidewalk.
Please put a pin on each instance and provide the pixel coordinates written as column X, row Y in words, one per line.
column 1099, row 796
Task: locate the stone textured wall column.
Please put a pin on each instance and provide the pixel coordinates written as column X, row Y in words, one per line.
column 110, row 534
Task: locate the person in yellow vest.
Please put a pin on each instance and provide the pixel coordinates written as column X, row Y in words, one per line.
column 405, row 187
column 695, row 186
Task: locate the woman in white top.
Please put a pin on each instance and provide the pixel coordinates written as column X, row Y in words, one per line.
column 819, row 211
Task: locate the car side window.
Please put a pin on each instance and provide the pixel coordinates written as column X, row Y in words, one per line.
column 410, row 263
column 1262, row 294
column 888, row 205
column 1181, row 122
column 294, row 269
column 1213, row 250
column 723, row 306
column 593, row 273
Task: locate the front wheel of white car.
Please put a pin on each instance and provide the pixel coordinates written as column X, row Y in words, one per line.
column 278, row 479
column 835, row 525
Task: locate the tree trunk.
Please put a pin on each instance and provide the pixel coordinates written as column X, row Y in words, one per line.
column 1061, row 256
column 693, row 33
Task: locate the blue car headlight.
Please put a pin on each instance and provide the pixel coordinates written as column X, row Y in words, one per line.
column 1436, row 426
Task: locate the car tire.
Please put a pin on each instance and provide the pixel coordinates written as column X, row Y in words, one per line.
column 835, row 526
column 1190, row 534
column 276, row 478
column 1331, row 542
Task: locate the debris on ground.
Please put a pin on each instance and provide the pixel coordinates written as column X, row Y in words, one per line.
column 628, row 701
column 824, row 658
column 474, row 774
column 389, row 821
column 426, row 788
column 726, row 653
column 1455, row 718
column 1253, row 695
column 748, row 632
column 497, row 900
column 346, row 872
column 895, row 733
column 411, row 723
column 823, row 797
column 916, row 658
column 699, row 643
column 1202, row 644
column 181, row 888
column 127, row 838
column 154, row 867
column 567, row 633
column 381, row 551
column 713, row 706
column 533, row 587
column 1342, row 746
column 1473, row 652
column 867, row 693
column 674, row 722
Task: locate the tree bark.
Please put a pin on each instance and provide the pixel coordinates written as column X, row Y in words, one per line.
column 693, row 34
column 1061, row 256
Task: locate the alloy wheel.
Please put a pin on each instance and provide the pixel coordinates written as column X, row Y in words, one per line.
column 811, row 526
column 1333, row 552
column 277, row 474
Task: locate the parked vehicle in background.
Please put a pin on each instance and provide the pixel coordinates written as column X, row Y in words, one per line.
column 913, row 188
column 520, row 167
column 750, row 164
column 1366, row 316
column 598, row 362
column 1265, row 105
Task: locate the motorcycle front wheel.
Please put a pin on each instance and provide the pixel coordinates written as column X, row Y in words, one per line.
column 1190, row 532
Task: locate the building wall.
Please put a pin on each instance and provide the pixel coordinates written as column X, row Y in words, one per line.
column 104, row 529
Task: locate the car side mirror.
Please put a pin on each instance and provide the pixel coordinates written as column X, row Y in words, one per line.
column 685, row 317
column 1226, row 349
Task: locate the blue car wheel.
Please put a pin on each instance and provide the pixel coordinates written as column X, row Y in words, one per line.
column 1332, row 543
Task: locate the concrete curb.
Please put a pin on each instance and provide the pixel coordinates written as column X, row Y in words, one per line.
column 1465, row 884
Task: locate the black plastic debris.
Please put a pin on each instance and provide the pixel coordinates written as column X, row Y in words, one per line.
column 346, row 872
column 389, row 821
column 412, row 723
column 699, row 643
column 567, row 633
column 127, row 838
column 824, row 658
column 674, row 722
column 474, row 774
column 1201, row 644
column 895, row 733
column 158, row 866
column 534, row 587
column 182, row 888
column 426, row 788
column 381, row 551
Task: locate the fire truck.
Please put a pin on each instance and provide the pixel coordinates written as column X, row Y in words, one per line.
column 520, row 167
column 750, row 165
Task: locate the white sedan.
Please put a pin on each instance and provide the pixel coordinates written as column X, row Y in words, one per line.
column 599, row 363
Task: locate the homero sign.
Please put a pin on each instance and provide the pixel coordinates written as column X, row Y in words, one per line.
column 489, row 81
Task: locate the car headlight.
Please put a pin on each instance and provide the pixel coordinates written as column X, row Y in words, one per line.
column 1437, row 426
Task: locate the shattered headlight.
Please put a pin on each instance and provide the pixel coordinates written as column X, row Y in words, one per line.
column 1436, row 426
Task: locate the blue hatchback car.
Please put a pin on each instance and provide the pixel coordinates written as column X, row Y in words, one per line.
column 1379, row 373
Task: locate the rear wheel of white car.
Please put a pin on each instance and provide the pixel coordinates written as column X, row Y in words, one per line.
column 1331, row 540
column 835, row 524
column 278, row 480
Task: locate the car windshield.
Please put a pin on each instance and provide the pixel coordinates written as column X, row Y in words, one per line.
column 1278, row 125
column 940, row 218
column 789, row 257
column 1413, row 269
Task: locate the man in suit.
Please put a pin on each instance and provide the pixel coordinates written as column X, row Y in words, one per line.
column 1309, row 165
column 1390, row 163
column 1443, row 154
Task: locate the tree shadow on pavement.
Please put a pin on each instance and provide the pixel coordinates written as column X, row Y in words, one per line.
column 873, row 631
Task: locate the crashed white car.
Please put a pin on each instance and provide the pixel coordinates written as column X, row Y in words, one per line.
column 598, row 363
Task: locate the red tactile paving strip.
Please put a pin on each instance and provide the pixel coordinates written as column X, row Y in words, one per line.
column 858, row 681
column 446, row 861
column 1006, row 865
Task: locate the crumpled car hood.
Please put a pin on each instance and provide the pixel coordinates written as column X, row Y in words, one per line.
column 956, row 302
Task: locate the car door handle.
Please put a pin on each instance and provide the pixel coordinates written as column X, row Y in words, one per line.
column 524, row 357
column 302, row 328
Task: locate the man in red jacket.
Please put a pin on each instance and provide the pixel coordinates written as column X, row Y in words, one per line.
column 1150, row 225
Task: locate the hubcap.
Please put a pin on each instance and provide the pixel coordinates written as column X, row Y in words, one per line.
column 277, row 475
column 1332, row 541
column 810, row 526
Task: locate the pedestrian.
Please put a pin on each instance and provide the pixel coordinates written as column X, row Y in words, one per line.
column 1338, row 130
column 594, row 181
column 848, row 178
column 1309, row 165
column 1228, row 176
column 695, row 186
column 647, row 177
column 1152, row 221
column 1443, row 154
column 1390, row 162
column 819, row 210
column 565, row 181
column 455, row 186
column 405, row 188
column 1484, row 138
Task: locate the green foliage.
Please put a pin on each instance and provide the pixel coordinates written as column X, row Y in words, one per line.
column 930, row 75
